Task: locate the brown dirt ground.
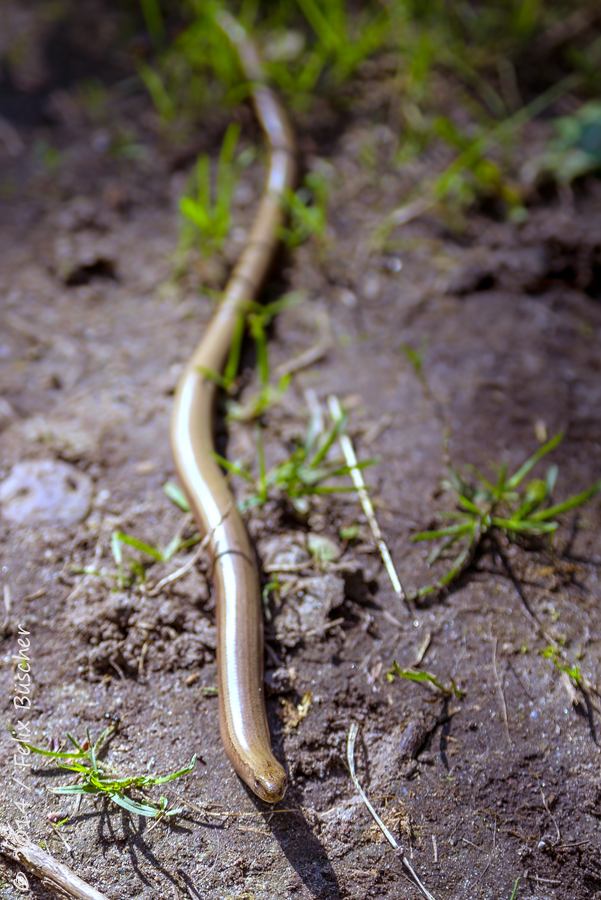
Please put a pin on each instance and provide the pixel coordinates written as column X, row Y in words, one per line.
column 501, row 784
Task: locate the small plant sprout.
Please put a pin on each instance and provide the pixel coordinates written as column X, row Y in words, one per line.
column 427, row 678
column 258, row 317
column 209, row 212
column 161, row 97
column 307, row 211
column 137, row 568
column 572, row 672
column 176, row 495
column 96, row 777
column 484, row 506
column 416, row 357
column 573, row 678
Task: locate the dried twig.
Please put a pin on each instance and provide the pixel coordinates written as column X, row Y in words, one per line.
column 52, row 874
column 303, row 361
column 179, row 573
column 350, row 755
column 500, row 690
column 351, row 461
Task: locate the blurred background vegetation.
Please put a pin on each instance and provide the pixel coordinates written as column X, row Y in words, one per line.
column 454, row 82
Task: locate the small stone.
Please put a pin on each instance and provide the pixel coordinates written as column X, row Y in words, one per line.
column 306, row 614
column 348, row 298
column 46, row 490
column 285, row 550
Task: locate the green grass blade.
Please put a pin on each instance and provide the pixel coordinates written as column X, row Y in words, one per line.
column 153, row 17
column 460, row 561
column 118, row 557
column 331, row 437
column 570, row 503
column 123, row 538
column 469, row 505
column 203, row 182
column 193, row 211
column 75, row 767
column 76, row 789
column 76, row 743
column 53, row 754
column 234, row 468
column 499, row 490
column 165, row 778
column 270, row 310
column 214, row 376
column 260, row 338
column 490, row 487
column 532, row 461
column 330, row 489
column 108, row 732
column 132, row 806
column 524, row 526
column 156, row 88
column 190, row 542
column 320, row 25
column 459, row 529
column 438, row 551
column 171, row 549
column 177, row 495
column 91, row 751
column 412, row 675
column 551, row 478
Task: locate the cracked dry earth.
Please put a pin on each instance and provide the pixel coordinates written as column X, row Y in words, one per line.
column 504, row 782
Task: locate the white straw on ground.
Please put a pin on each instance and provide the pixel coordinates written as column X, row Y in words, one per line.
column 356, row 475
column 350, row 755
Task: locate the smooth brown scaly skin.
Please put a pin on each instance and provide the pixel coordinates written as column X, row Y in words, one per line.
column 242, row 717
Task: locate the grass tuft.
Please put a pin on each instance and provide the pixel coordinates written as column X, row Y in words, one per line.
column 208, row 213
column 484, row 506
column 302, row 475
column 97, row 777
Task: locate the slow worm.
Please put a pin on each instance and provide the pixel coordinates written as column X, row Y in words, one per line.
column 242, row 717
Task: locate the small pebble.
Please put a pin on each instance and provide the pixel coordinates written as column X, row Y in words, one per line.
column 45, row 490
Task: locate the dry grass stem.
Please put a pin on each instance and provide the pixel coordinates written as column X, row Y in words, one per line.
column 350, row 755
column 500, row 690
column 179, row 573
column 303, row 360
column 351, row 461
column 422, row 650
